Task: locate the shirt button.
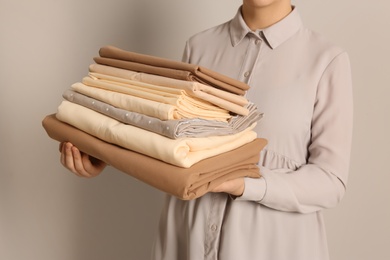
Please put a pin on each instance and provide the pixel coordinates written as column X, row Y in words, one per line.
column 257, row 41
column 213, row 227
column 246, row 74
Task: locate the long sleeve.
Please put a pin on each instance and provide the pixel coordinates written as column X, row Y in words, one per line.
column 321, row 182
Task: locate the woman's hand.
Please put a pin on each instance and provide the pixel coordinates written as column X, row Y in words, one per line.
column 80, row 163
column 234, row 187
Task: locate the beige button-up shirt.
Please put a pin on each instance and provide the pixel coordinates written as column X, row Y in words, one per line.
column 302, row 83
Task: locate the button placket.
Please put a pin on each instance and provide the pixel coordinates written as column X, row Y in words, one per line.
column 214, row 223
column 253, row 50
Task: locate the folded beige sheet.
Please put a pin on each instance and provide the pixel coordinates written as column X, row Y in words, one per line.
column 184, row 183
column 183, row 152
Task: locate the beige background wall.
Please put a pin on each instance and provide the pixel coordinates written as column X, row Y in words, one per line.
column 45, row 45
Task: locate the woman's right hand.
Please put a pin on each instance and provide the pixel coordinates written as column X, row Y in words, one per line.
column 80, row 163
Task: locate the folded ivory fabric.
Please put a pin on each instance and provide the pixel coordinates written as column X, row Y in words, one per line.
column 183, row 152
column 116, row 57
column 169, row 128
column 184, row 183
column 187, row 106
column 230, row 101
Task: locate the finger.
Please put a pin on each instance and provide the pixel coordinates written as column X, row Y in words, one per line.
column 62, row 156
column 91, row 169
column 67, row 157
column 234, row 187
column 78, row 162
column 219, row 188
column 63, row 153
column 61, row 146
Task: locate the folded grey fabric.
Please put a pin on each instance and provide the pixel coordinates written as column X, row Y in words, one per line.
column 169, row 128
column 184, row 183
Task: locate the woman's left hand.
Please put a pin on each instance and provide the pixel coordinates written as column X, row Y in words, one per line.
column 234, row 187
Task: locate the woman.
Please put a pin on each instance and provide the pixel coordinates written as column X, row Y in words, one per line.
column 302, row 83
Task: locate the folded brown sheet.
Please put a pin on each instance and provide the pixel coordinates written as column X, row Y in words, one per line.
column 169, row 68
column 184, row 183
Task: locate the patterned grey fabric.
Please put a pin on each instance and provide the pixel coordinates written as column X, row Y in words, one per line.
column 169, row 128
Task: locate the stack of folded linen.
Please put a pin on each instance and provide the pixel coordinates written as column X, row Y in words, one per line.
column 179, row 127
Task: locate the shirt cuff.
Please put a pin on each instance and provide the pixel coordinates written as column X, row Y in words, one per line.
column 255, row 189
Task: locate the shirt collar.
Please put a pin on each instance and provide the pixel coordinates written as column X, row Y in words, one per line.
column 275, row 35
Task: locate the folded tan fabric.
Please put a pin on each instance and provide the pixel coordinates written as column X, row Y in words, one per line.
column 191, row 72
column 184, row 183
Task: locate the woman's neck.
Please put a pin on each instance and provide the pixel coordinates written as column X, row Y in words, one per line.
column 260, row 17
